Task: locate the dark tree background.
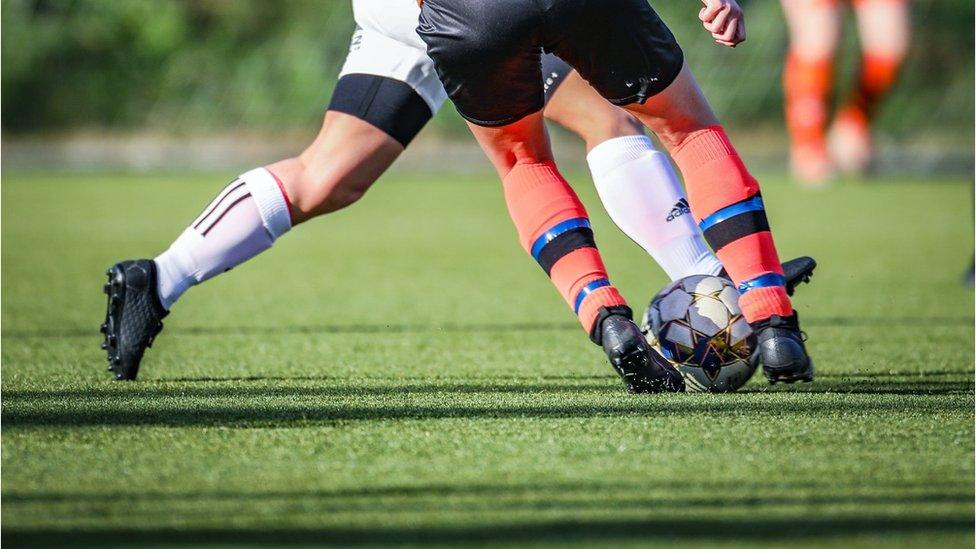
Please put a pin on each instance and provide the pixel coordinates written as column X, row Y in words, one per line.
column 211, row 65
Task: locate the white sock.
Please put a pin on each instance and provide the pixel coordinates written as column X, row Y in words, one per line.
column 641, row 192
column 242, row 221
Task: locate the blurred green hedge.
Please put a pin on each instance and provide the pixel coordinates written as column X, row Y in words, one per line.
column 214, row 65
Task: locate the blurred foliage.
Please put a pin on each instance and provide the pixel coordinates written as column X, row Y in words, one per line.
column 212, row 65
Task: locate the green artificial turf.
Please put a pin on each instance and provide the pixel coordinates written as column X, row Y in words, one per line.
column 400, row 372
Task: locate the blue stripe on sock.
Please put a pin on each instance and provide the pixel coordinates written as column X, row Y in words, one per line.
column 558, row 229
column 764, row 281
column 587, row 290
column 749, row 205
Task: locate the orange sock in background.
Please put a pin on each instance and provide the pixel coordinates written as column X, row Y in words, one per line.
column 725, row 200
column 807, row 85
column 554, row 228
column 876, row 77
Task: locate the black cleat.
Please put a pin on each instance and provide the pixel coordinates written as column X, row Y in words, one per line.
column 642, row 368
column 780, row 350
column 133, row 317
column 798, row 271
column 795, row 271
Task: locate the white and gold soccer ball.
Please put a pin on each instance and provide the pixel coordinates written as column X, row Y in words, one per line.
column 696, row 324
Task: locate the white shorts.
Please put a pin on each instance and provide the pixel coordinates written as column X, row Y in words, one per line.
column 386, row 44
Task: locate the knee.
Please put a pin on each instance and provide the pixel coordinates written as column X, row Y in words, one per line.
column 617, row 123
column 597, row 126
column 672, row 131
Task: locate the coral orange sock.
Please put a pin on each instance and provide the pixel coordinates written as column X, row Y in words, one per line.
column 807, row 85
column 877, row 76
column 554, row 228
column 726, row 202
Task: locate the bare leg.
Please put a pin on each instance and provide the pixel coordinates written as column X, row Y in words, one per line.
column 815, row 32
column 343, row 162
column 726, row 202
column 261, row 205
column 554, row 229
column 579, row 108
column 884, row 28
column 677, row 112
column 716, row 179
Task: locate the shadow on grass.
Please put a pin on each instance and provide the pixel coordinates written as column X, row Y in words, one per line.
column 289, row 405
column 287, row 387
column 653, row 494
column 297, row 387
column 487, row 327
column 547, row 531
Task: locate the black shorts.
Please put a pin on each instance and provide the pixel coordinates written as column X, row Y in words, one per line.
column 554, row 72
column 488, row 53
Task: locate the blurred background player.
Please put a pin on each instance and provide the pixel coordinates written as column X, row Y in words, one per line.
column 488, row 58
column 387, row 91
column 815, row 29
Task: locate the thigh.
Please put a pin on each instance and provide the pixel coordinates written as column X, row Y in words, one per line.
column 815, row 27
column 374, row 53
column 621, row 47
column 884, row 27
column 576, row 106
column 487, row 56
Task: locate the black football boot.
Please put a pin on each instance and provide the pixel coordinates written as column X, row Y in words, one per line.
column 795, row 271
column 798, row 271
column 133, row 317
column 642, row 368
column 780, row 350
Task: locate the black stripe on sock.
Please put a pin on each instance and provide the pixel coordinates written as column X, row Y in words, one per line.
column 221, row 196
column 724, row 233
column 223, row 213
column 563, row 244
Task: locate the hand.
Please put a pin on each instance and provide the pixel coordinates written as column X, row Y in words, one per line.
column 725, row 20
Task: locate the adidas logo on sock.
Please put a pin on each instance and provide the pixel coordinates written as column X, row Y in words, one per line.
column 680, row 208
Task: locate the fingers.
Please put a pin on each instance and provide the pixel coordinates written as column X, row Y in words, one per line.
column 711, row 9
column 730, row 37
column 718, row 23
column 724, row 20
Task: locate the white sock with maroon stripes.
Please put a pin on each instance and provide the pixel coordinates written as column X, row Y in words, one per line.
column 242, row 221
column 641, row 192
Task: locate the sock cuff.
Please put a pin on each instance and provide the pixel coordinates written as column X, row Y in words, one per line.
column 538, row 198
column 270, row 200
column 602, row 297
column 761, row 303
column 702, row 147
column 523, row 176
column 176, row 268
column 609, row 154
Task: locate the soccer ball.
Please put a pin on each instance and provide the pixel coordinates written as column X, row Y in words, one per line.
column 696, row 324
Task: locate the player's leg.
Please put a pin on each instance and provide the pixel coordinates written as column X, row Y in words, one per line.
column 554, row 228
column 495, row 82
column 370, row 120
column 635, row 181
column 259, row 206
column 624, row 50
column 725, row 199
column 243, row 220
column 884, row 29
column 815, row 31
column 638, row 187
